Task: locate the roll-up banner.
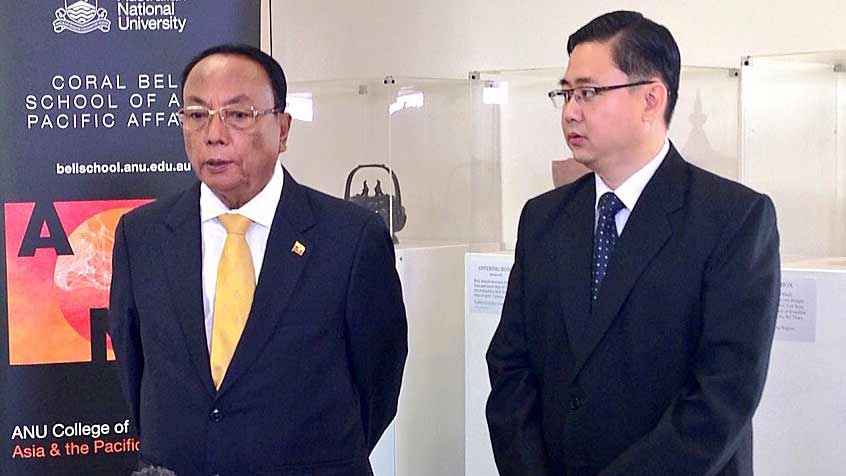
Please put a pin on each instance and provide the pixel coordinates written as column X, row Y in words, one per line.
column 88, row 130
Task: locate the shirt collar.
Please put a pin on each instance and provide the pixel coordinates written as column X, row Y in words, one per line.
column 260, row 209
column 629, row 191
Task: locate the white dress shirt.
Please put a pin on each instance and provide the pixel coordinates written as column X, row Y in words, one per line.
column 261, row 210
column 629, row 191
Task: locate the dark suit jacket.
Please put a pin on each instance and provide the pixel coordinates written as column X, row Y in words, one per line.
column 316, row 375
column 661, row 375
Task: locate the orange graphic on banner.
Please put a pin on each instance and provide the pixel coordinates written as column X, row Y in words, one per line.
column 52, row 287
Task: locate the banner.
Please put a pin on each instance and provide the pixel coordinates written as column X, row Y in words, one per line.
column 89, row 92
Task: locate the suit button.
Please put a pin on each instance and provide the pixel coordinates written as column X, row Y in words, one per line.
column 576, row 403
column 216, row 415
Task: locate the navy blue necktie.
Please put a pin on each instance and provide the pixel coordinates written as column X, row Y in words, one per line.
column 605, row 237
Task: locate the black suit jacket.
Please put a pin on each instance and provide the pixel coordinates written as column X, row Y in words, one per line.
column 316, row 375
column 662, row 374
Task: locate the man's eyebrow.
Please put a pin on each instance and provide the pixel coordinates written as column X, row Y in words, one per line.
column 578, row 81
column 196, row 100
column 234, row 100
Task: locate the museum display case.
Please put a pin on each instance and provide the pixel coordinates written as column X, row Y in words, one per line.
column 518, row 143
column 792, row 148
column 400, row 148
column 792, row 118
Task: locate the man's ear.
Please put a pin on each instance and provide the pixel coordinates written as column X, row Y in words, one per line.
column 284, row 129
column 656, row 97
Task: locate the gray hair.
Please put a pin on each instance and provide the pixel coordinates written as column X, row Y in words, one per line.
column 154, row 471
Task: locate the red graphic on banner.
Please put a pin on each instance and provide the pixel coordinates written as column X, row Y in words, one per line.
column 52, row 287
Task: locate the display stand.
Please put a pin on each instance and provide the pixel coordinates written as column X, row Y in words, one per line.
column 486, row 277
column 800, row 421
column 430, row 422
column 350, row 138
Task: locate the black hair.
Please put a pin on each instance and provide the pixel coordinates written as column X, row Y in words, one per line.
column 640, row 48
column 269, row 65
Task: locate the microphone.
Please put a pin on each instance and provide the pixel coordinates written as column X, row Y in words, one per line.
column 154, row 471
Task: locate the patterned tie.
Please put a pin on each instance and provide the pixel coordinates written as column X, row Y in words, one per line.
column 236, row 282
column 605, row 238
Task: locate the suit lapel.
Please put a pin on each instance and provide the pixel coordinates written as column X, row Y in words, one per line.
column 280, row 272
column 183, row 262
column 574, row 242
column 647, row 231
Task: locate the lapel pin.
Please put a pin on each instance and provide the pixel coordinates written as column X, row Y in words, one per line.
column 298, row 248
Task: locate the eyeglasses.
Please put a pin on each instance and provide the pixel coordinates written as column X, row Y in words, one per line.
column 242, row 118
column 585, row 94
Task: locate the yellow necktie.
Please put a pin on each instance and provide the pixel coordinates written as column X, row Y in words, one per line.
column 233, row 296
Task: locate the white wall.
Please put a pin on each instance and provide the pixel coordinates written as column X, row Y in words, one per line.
column 321, row 39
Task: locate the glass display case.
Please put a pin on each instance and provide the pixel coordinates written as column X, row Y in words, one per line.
column 353, row 137
column 792, row 118
column 793, row 149
column 520, row 146
column 400, row 148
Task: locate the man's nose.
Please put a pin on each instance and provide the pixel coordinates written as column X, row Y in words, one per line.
column 216, row 130
column 571, row 110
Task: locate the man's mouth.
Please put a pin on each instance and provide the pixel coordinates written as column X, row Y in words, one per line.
column 217, row 165
column 575, row 138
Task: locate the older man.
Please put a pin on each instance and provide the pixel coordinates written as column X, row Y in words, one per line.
column 259, row 324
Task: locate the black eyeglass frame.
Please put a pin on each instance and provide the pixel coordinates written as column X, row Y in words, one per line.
column 597, row 90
